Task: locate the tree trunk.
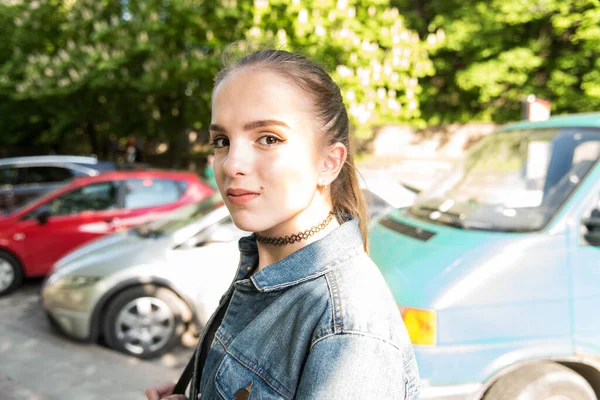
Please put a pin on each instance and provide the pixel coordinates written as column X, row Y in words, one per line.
column 179, row 151
column 90, row 132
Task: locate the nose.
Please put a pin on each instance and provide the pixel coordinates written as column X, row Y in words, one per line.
column 238, row 160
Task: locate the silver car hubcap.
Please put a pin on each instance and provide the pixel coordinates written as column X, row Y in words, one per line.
column 145, row 325
column 7, row 275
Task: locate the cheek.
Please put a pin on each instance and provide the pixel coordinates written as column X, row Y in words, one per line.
column 294, row 172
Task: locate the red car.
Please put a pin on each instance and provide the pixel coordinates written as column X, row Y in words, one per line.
column 35, row 236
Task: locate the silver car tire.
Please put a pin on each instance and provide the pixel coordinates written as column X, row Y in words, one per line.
column 11, row 273
column 144, row 321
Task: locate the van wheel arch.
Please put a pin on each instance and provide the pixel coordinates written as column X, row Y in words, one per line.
column 590, row 372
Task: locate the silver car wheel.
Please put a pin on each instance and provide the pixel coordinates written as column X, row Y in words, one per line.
column 7, row 275
column 145, row 325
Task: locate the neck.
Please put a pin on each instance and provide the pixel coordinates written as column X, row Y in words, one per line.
column 269, row 254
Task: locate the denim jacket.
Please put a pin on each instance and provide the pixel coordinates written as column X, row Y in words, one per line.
column 319, row 324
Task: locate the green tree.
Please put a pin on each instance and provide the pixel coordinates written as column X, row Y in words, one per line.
column 101, row 67
column 145, row 67
column 375, row 59
column 494, row 53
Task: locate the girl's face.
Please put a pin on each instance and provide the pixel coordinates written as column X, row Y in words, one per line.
column 267, row 158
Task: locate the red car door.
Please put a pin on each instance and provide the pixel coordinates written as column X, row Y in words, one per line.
column 74, row 218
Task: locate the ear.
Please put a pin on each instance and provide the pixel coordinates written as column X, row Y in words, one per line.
column 332, row 161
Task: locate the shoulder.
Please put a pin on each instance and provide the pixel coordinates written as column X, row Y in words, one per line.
column 351, row 297
column 362, row 304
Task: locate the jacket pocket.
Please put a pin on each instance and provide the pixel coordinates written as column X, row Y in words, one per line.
column 235, row 381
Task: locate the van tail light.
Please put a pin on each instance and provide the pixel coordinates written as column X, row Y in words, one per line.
column 421, row 325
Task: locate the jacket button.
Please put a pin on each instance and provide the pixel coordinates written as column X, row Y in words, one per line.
column 243, row 394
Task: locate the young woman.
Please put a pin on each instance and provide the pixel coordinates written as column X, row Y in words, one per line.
column 308, row 315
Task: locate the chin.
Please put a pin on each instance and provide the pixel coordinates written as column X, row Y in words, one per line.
column 247, row 221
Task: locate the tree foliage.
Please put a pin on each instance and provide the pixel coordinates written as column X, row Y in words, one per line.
column 495, row 52
column 81, row 70
column 77, row 71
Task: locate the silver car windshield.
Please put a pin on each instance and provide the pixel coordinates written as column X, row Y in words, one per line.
column 513, row 181
column 179, row 218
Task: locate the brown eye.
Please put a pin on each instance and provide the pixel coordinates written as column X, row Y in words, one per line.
column 268, row 140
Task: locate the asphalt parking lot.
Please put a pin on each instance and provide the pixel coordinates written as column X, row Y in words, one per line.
column 37, row 363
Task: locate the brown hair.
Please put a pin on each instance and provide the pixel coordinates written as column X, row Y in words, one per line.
column 331, row 112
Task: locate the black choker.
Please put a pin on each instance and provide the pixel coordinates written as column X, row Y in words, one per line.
column 282, row 241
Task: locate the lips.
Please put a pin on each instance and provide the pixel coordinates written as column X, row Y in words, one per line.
column 241, row 196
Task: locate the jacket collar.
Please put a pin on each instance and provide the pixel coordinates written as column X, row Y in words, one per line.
column 312, row 261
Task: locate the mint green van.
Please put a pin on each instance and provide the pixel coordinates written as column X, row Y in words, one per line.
column 496, row 269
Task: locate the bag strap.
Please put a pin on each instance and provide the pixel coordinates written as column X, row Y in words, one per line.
column 186, row 376
column 206, row 339
column 203, row 348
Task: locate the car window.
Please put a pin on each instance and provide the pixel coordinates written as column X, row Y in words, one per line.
column 374, row 200
column 586, row 151
column 94, row 197
column 8, row 176
column 183, row 185
column 47, row 174
column 140, row 193
column 221, row 231
column 513, row 181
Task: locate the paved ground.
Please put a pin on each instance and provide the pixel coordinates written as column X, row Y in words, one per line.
column 37, row 363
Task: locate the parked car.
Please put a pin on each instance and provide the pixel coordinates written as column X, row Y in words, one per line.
column 181, row 265
column 383, row 192
column 24, row 178
column 35, row 236
column 141, row 289
column 496, row 270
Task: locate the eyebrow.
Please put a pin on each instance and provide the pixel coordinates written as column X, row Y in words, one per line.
column 251, row 125
column 216, row 128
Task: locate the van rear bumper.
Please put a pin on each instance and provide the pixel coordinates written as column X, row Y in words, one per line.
column 469, row 391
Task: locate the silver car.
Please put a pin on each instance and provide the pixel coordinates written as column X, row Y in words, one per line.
column 142, row 289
